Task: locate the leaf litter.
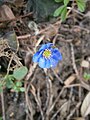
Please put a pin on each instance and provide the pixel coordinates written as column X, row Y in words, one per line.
column 56, row 94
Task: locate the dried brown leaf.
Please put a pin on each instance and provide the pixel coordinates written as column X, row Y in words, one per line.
column 70, row 79
column 85, row 64
column 78, row 118
column 64, row 109
column 85, row 108
column 6, row 13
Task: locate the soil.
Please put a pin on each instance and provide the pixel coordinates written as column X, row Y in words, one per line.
column 48, row 96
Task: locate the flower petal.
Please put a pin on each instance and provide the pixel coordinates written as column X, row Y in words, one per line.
column 46, row 46
column 42, row 62
column 43, row 47
column 53, row 62
column 49, row 45
column 36, row 56
column 56, row 54
column 47, row 64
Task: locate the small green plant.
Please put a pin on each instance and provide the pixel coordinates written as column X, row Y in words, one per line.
column 86, row 76
column 14, row 81
column 62, row 11
column 1, row 118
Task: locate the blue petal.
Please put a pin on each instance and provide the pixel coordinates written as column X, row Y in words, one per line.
column 46, row 46
column 56, row 54
column 49, row 45
column 42, row 62
column 43, row 47
column 53, row 62
column 36, row 56
column 47, row 64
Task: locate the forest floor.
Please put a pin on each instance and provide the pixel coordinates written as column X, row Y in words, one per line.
column 55, row 94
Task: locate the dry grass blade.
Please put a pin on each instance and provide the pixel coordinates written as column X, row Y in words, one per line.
column 3, row 106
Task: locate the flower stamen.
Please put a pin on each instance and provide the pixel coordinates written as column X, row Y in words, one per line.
column 47, row 53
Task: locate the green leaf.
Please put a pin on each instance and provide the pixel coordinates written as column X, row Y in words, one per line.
column 81, row 1
column 22, row 89
column 16, row 88
column 20, row 73
column 66, row 2
column 64, row 14
column 9, row 81
column 9, row 84
column 81, row 5
column 58, row 0
column 58, row 11
column 1, row 90
column 86, row 76
column 18, row 84
column 1, row 118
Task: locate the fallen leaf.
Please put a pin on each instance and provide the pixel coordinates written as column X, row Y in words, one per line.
column 85, row 108
column 78, row 118
column 6, row 13
column 70, row 79
column 64, row 109
column 11, row 38
column 85, row 64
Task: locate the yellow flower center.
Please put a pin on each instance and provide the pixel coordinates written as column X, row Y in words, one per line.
column 47, row 53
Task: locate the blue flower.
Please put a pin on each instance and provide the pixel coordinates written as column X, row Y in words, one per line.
column 47, row 56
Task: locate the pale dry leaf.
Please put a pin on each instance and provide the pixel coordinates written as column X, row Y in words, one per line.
column 6, row 13
column 78, row 118
column 39, row 41
column 87, row 14
column 70, row 79
column 33, row 27
column 64, row 109
column 85, row 108
column 85, row 64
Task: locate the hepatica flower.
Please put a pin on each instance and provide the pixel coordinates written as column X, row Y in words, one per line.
column 47, row 56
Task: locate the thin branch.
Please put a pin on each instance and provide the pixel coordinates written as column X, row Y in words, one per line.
column 49, row 97
column 73, row 111
column 3, row 106
column 87, row 87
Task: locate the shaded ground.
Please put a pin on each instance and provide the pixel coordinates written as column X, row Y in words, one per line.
column 58, row 93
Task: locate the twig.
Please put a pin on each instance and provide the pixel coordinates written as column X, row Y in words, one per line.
column 82, row 28
column 56, row 100
column 73, row 111
column 72, row 9
column 30, row 72
column 39, row 41
column 53, row 117
column 39, row 105
column 28, row 104
column 87, row 87
column 10, row 63
column 3, row 108
column 57, row 76
column 16, row 18
column 24, row 36
column 49, row 97
column 40, row 32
